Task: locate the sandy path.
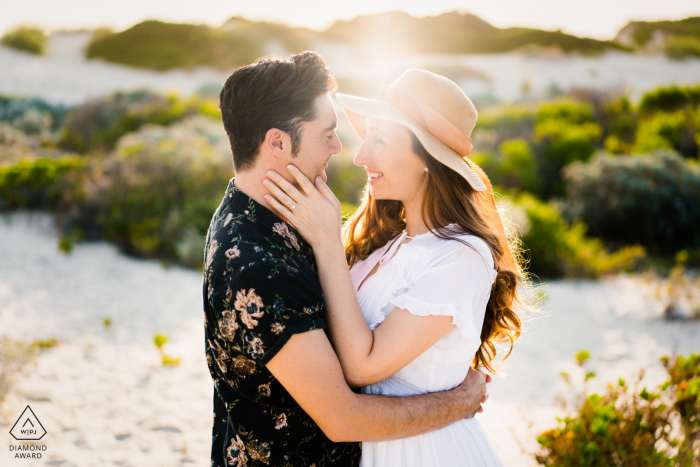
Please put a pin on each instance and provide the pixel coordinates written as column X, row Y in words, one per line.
column 104, row 398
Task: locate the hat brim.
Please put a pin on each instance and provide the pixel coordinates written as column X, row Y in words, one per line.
column 359, row 108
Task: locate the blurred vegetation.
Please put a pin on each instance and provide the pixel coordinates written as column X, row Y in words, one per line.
column 556, row 248
column 651, row 199
column 15, row 357
column 26, row 39
column 146, row 171
column 99, row 123
column 682, row 47
column 163, row 46
column 44, row 183
column 19, row 111
column 629, row 426
column 679, row 291
column 452, row 33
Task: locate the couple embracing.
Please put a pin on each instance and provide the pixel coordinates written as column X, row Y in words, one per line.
column 362, row 345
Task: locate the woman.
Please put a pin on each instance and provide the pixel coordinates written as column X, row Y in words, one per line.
column 432, row 283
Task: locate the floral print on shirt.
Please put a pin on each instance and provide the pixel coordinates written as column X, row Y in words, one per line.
column 260, row 288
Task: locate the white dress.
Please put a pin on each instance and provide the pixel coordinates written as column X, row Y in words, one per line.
column 430, row 276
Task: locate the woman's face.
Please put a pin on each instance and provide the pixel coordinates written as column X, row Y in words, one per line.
column 394, row 171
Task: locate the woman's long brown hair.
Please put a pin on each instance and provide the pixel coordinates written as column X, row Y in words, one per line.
column 448, row 199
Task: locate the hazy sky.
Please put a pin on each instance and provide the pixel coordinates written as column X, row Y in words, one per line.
column 591, row 18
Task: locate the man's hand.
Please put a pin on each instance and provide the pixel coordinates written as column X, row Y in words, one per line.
column 472, row 392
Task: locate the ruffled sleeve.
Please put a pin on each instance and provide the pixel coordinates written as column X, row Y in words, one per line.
column 456, row 282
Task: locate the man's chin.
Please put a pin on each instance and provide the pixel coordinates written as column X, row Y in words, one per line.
column 323, row 176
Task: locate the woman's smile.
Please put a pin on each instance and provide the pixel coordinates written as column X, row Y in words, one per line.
column 374, row 176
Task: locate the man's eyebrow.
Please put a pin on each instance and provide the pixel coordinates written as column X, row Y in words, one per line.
column 332, row 127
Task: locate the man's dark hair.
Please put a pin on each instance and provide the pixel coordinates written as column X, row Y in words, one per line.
column 273, row 92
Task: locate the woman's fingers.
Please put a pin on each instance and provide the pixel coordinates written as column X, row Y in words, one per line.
column 279, row 207
column 281, row 196
column 301, row 179
column 287, row 187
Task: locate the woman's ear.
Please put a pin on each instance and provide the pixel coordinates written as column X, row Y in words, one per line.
column 278, row 142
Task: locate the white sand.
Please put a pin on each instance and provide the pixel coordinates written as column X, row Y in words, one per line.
column 64, row 76
column 105, row 399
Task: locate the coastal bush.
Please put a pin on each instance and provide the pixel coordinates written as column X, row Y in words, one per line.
column 99, row 123
column 629, row 426
column 673, row 131
column 14, row 109
column 557, row 249
column 651, row 200
column 620, row 126
column 26, row 39
column 14, row 145
column 154, row 195
column 682, row 47
column 42, row 183
column 559, row 143
column 164, row 46
column 669, row 98
column 567, row 110
column 514, row 167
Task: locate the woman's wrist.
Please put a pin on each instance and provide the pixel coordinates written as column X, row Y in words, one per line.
column 329, row 247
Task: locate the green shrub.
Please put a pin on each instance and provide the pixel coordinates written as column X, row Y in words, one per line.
column 557, row 249
column 27, row 39
column 668, row 99
column 513, row 168
column 673, row 131
column 651, row 200
column 626, row 426
column 620, row 126
column 13, row 109
column 164, row 46
column 98, row 124
column 566, row 110
column 682, row 47
column 41, row 183
column 154, row 195
column 515, row 120
column 15, row 145
column 519, row 167
column 559, row 143
column 684, row 384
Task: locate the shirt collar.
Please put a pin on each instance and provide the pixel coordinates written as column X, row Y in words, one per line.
column 263, row 216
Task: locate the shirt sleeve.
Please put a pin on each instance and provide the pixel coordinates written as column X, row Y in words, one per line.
column 265, row 305
column 455, row 283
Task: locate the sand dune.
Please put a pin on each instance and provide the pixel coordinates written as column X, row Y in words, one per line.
column 64, row 76
column 105, row 399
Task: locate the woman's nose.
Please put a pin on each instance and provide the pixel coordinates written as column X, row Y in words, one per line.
column 362, row 157
column 338, row 146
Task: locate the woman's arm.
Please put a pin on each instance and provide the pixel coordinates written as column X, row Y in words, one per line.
column 366, row 356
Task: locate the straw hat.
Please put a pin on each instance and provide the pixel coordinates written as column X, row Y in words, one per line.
column 437, row 111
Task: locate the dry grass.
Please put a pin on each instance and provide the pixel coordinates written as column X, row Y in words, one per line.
column 14, row 358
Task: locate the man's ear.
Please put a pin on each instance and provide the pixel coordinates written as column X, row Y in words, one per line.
column 278, row 142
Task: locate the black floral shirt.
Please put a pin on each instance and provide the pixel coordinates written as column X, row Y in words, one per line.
column 260, row 288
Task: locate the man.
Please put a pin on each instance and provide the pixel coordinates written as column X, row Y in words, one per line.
column 280, row 397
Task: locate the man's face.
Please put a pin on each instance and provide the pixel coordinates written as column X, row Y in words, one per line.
column 318, row 142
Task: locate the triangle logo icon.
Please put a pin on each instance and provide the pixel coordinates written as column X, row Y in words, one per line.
column 28, row 427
